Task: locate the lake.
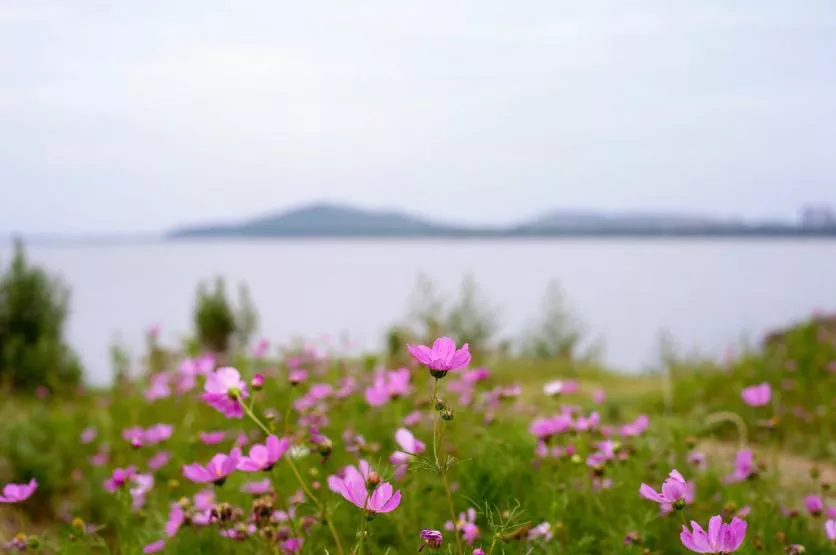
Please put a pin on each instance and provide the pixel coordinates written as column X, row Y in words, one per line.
column 708, row 294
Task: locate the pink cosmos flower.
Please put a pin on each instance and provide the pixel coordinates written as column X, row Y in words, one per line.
column 204, row 500
column 157, row 433
column 119, row 478
column 159, row 460
column 635, row 428
column 599, row 396
column 413, row 418
column 675, row 491
column 221, row 466
column 240, row 532
column 263, row 457
column 142, row 484
column 441, row 357
column 176, row 518
column 815, row 505
column 721, row 537
column 744, row 467
column 545, row 428
column 88, row 435
column 15, row 493
column 200, row 366
column 257, row 488
column 261, row 349
column 154, row 547
column 223, row 388
column 211, row 438
column 100, row 458
column 757, row 395
column 830, row 530
column 696, row 458
column 542, row 530
column 293, row 545
column 479, row 551
column 560, row 387
column 295, row 377
column 388, row 386
column 159, row 388
column 409, row 447
column 352, row 486
column 465, row 525
column 320, row 391
column 431, row 539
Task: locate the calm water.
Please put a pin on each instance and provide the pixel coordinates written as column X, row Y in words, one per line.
column 707, row 294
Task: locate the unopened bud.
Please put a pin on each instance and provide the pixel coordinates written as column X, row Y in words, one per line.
column 447, row 414
column 78, row 524
column 136, row 443
column 173, row 484
column 374, row 479
column 257, row 382
column 576, row 459
column 440, row 404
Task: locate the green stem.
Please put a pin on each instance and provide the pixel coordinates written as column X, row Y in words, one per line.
column 323, row 512
column 361, row 541
column 443, row 470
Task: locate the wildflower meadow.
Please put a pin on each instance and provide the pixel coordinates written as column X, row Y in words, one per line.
column 433, row 447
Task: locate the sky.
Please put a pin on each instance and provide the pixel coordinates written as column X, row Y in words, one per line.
column 119, row 116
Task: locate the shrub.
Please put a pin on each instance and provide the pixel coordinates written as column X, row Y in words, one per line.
column 557, row 333
column 33, row 313
column 219, row 326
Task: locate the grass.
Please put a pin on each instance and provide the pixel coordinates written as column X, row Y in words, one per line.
column 494, row 470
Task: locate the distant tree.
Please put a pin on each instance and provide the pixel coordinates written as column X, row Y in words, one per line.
column 472, row 319
column 557, row 333
column 220, row 327
column 33, row 314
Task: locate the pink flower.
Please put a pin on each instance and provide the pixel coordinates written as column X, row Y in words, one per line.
column 388, row 386
column 200, row 366
column 176, row 518
column 216, row 471
column 744, row 467
column 142, row 484
column 257, row 488
column 757, row 395
column 157, row 433
column 721, row 538
column 293, row 545
column 99, row 459
column 542, row 530
column 465, row 525
column 159, row 460
column 478, row 551
column 560, row 387
column 635, row 428
column 154, row 547
column 211, row 438
column 263, row 457
column 159, row 387
column 830, row 530
column 599, row 396
column 413, row 418
column 204, row 499
column 119, row 478
column 696, row 458
column 431, row 539
column 297, row 376
column 15, row 493
column 409, row 447
column 675, row 491
column 261, row 348
column 441, row 357
column 353, row 488
column 224, row 388
column 815, row 505
column 88, row 435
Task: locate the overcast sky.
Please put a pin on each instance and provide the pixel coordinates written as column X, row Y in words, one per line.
column 123, row 116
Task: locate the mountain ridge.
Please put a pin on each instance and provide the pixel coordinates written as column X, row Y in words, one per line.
column 328, row 219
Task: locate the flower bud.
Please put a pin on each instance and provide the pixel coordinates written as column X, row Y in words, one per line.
column 447, row 414
column 257, row 382
column 136, row 443
column 374, row 480
column 440, row 404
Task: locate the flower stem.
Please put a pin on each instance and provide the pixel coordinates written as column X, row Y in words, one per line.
column 443, row 469
column 361, row 541
column 323, row 512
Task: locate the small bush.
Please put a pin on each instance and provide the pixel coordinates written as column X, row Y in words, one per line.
column 219, row 327
column 33, row 313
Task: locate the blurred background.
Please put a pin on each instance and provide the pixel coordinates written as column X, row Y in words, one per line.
column 585, row 179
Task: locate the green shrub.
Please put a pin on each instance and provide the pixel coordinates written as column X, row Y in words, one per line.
column 33, row 313
column 219, row 326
